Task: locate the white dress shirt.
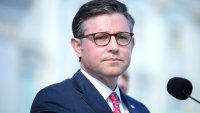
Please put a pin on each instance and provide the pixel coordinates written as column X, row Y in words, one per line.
column 106, row 91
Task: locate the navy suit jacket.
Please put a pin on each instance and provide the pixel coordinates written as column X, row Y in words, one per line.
column 78, row 95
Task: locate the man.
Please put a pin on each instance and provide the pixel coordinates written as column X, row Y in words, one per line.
column 123, row 80
column 103, row 41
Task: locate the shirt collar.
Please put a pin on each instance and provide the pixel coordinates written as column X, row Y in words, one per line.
column 102, row 88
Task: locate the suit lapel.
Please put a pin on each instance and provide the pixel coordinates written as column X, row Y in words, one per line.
column 131, row 108
column 96, row 102
column 89, row 94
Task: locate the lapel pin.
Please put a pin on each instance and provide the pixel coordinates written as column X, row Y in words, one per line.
column 132, row 106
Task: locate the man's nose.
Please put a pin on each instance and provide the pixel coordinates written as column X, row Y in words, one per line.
column 113, row 46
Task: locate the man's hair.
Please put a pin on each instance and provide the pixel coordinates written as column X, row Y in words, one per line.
column 95, row 8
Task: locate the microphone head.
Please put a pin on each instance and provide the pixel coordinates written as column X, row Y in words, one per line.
column 180, row 88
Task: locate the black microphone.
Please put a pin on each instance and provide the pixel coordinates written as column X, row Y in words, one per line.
column 180, row 88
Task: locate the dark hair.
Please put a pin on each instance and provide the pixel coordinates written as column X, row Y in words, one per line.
column 98, row 7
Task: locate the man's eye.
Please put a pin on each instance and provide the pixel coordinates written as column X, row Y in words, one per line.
column 101, row 37
column 122, row 37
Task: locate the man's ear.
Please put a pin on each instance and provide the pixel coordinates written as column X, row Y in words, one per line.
column 76, row 44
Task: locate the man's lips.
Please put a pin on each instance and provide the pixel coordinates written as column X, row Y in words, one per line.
column 112, row 59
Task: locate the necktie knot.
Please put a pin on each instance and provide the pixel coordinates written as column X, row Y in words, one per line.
column 114, row 98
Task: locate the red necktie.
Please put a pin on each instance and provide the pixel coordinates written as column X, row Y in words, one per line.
column 114, row 98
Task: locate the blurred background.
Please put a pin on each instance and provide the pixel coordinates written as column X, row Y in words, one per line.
column 35, row 50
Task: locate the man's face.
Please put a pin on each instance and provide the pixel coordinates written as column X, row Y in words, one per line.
column 110, row 60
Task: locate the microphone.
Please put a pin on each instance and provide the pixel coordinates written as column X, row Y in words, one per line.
column 180, row 88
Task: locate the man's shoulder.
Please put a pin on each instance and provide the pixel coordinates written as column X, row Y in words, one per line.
column 57, row 88
column 54, row 97
column 56, row 93
column 63, row 89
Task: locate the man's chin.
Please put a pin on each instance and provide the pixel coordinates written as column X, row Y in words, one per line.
column 113, row 73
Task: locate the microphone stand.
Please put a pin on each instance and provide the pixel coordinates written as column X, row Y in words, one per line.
column 184, row 92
